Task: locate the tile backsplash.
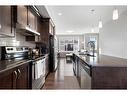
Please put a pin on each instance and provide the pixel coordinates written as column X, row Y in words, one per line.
column 18, row 40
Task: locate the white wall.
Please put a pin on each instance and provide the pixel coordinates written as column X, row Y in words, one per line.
column 113, row 37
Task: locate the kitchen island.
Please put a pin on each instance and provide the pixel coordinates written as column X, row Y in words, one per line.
column 100, row 72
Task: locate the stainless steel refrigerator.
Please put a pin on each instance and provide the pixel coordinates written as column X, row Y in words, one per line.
column 52, row 54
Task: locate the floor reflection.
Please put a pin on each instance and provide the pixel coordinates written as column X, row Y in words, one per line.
column 63, row 78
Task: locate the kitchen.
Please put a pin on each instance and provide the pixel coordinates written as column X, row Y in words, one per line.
column 41, row 50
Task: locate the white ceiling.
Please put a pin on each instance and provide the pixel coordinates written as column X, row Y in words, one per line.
column 80, row 19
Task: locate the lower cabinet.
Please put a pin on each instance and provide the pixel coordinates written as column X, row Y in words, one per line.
column 8, row 79
column 16, row 78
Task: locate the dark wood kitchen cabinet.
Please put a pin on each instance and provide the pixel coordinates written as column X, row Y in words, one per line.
column 22, row 15
column 23, row 78
column 8, row 79
column 46, row 31
column 32, row 20
column 16, row 78
column 6, row 21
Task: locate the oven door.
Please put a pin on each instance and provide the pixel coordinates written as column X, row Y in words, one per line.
column 38, row 74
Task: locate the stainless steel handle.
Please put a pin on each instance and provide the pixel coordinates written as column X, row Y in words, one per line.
column 29, row 25
column 19, row 74
column 15, row 74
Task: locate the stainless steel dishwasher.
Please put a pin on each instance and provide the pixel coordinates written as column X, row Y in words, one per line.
column 85, row 76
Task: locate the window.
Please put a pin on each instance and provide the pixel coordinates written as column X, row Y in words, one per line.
column 69, row 43
column 93, row 38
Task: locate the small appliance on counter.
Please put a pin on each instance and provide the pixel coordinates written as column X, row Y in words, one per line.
column 43, row 49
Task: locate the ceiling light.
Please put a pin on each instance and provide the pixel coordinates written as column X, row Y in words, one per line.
column 115, row 14
column 100, row 24
column 59, row 14
column 70, row 31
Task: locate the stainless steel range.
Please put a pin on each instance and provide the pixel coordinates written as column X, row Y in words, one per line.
column 8, row 53
column 38, row 62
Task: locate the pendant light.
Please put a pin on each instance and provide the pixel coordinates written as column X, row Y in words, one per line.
column 92, row 12
column 92, row 29
column 115, row 14
column 100, row 23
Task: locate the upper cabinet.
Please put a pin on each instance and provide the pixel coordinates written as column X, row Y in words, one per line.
column 6, row 21
column 32, row 20
column 22, row 15
column 26, row 21
column 51, row 28
column 46, row 28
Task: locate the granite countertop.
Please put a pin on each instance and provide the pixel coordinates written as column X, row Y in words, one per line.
column 8, row 64
column 103, row 60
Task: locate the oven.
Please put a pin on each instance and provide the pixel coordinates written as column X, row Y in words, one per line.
column 38, row 73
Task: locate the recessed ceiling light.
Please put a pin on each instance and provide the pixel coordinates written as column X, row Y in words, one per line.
column 59, row 14
column 92, row 10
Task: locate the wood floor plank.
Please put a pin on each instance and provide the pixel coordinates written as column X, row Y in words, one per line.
column 63, row 78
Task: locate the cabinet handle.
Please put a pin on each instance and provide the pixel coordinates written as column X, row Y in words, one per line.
column 29, row 25
column 19, row 74
column 15, row 74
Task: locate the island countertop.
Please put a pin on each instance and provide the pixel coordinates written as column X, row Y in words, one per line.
column 103, row 60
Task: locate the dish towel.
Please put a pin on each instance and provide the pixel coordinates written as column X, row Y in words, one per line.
column 38, row 69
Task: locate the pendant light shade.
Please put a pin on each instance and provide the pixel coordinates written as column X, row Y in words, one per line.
column 100, row 24
column 115, row 14
column 92, row 30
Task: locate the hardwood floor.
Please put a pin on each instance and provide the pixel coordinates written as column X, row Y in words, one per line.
column 63, row 78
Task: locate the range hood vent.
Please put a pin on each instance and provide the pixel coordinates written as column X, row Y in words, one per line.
column 26, row 31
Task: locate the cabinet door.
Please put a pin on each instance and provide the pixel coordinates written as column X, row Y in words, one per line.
column 6, row 21
column 31, row 20
column 22, row 15
column 23, row 79
column 8, row 79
